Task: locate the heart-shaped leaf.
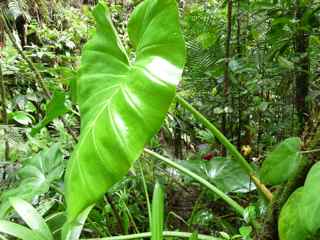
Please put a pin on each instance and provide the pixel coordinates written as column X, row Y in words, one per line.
column 122, row 102
column 36, row 175
column 226, row 174
column 282, row 163
column 310, row 202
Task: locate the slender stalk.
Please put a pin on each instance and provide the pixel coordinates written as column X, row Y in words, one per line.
column 226, row 198
column 229, row 146
column 226, row 81
column 239, row 52
column 310, row 151
column 4, row 113
column 115, row 213
column 37, row 74
column 165, row 234
column 145, row 191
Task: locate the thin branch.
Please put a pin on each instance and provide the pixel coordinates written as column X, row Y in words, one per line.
column 115, row 213
column 33, row 68
column 4, row 113
column 310, row 151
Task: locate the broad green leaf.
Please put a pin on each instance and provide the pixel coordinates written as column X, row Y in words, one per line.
column 310, row 202
column 31, row 217
column 224, row 173
column 18, row 231
column 157, row 213
column 282, row 163
column 35, row 176
column 122, row 103
column 72, row 230
column 290, row 225
column 55, row 108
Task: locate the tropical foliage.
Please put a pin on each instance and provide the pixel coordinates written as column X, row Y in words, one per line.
column 212, row 106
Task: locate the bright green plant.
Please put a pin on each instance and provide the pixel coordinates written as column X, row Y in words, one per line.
column 122, row 101
column 282, row 163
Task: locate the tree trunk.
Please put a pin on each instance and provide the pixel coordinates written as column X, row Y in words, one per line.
column 226, row 83
column 302, row 69
column 239, row 51
column 4, row 114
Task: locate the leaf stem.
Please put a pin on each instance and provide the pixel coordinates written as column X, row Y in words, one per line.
column 145, row 191
column 310, row 151
column 165, row 234
column 229, row 146
column 240, row 210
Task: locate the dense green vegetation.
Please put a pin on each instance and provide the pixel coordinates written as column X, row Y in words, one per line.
column 159, row 119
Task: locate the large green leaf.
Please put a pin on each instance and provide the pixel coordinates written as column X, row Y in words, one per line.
column 36, row 175
column 282, row 163
column 290, row 225
column 310, row 201
column 122, row 103
column 226, row 174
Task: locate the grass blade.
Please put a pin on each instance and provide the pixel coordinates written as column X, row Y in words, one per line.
column 157, row 213
column 31, row 217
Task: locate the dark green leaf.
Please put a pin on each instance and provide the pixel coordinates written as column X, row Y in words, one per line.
column 122, row 104
column 55, row 108
column 282, row 163
column 226, row 174
column 36, row 175
column 56, row 222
